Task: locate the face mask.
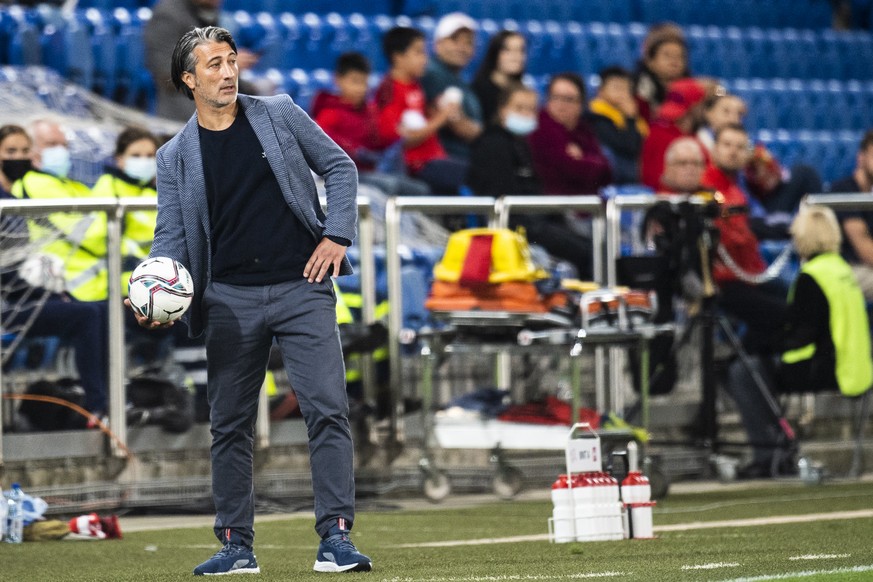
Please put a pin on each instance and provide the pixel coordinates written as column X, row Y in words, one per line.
column 520, row 124
column 16, row 169
column 56, row 160
column 141, row 169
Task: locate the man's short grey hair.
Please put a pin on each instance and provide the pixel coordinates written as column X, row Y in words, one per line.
column 183, row 55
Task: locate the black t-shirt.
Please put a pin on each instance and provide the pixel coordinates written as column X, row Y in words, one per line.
column 847, row 185
column 256, row 238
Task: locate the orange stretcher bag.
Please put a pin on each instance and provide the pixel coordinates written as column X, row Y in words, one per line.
column 487, row 269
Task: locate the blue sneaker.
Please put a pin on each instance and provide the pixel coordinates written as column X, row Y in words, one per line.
column 337, row 553
column 231, row 559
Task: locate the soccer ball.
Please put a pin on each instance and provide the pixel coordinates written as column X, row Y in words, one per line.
column 160, row 289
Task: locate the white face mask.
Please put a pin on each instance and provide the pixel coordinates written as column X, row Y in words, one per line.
column 142, row 170
column 56, row 161
column 520, row 124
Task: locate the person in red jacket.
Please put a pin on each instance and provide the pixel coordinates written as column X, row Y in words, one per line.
column 566, row 155
column 762, row 307
column 402, row 115
column 346, row 117
column 680, row 115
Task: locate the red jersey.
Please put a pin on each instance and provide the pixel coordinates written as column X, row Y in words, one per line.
column 352, row 128
column 736, row 235
column 393, row 98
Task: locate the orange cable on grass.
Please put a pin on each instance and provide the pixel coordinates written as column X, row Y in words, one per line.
column 76, row 408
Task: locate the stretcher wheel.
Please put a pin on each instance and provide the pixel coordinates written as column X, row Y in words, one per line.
column 508, row 481
column 436, row 485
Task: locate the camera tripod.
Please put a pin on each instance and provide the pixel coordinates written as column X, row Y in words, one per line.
column 696, row 242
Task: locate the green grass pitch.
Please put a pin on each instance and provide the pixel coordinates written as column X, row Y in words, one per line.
column 686, row 549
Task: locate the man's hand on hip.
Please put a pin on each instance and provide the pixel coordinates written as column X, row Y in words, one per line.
column 326, row 255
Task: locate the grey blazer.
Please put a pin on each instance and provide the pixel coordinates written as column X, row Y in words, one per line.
column 293, row 144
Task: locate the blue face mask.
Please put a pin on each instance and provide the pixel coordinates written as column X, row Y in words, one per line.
column 141, row 169
column 520, row 124
column 56, row 161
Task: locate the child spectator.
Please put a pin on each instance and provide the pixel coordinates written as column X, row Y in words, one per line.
column 614, row 117
column 400, row 103
column 346, row 117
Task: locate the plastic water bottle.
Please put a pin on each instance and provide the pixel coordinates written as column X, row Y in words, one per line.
column 15, row 516
column 562, row 512
column 3, row 510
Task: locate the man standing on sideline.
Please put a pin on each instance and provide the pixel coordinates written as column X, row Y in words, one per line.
column 237, row 205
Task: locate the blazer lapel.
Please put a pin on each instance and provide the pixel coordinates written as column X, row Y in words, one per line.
column 194, row 185
column 261, row 123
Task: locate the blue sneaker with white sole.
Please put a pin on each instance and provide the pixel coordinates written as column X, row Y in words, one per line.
column 337, row 553
column 231, row 559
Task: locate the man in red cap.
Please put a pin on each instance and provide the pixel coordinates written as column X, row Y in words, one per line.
column 679, row 116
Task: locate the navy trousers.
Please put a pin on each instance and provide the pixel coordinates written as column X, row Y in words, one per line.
column 241, row 323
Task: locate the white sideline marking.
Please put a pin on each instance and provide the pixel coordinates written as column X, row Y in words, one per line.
column 509, row 577
column 479, row 542
column 819, row 556
column 776, row 520
column 804, row 574
column 749, row 522
column 713, row 566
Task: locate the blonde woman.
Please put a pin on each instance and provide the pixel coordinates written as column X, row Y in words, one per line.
column 826, row 343
column 827, row 334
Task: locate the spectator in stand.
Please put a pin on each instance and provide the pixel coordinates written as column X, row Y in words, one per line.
column 858, row 225
column 133, row 175
column 454, row 46
column 170, row 20
column 684, row 163
column 14, row 157
column 778, row 189
column 501, row 163
column 720, row 110
column 400, row 102
column 760, row 306
column 566, row 154
column 352, row 122
column 664, row 60
column 614, row 116
column 346, row 117
column 503, row 65
column 680, row 115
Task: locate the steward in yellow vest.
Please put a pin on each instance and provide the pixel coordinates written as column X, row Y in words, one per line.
column 828, row 333
column 77, row 239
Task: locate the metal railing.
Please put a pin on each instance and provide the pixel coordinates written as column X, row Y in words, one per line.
column 116, row 209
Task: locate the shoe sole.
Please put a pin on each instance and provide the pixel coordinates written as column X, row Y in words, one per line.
column 240, row 571
column 334, row 567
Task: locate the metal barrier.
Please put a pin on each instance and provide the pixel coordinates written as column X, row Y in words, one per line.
column 498, row 211
column 115, row 209
column 840, row 201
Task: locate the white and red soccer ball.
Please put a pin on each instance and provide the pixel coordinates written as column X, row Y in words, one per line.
column 160, row 289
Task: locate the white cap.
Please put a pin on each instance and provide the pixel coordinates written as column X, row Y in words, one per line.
column 452, row 23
